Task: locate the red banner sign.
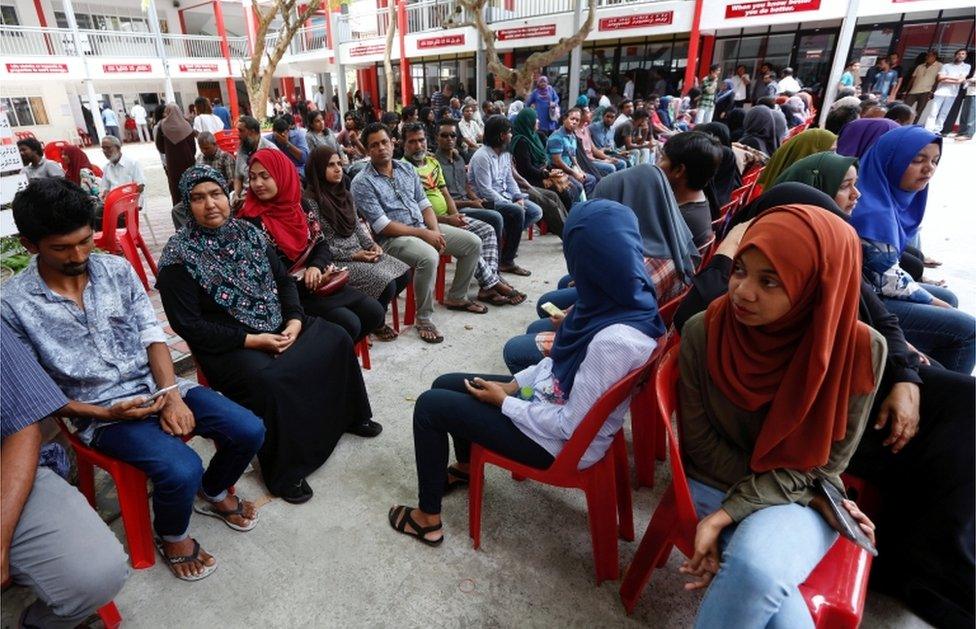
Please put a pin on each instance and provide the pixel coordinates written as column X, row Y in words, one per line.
column 37, row 68
column 526, row 32
column 639, row 20
column 198, row 67
column 769, row 7
column 365, row 51
column 443, row 41
column 126, row 67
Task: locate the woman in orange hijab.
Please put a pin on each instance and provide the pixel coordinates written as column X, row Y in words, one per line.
column 777, row 381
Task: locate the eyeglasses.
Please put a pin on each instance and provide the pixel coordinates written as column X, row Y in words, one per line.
column 448, row 135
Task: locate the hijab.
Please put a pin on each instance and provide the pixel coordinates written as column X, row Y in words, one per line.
column 735, row 120
column 803, row 144
column 885, row 212
column 795, row 111
column 230, row 263
column 663, row 230
column 759, row 129
column 785, row 194
column 857, row 136
column 583, row 102
column 824, row 171
column 174, row 126
column 805, row 366
column 77, row 159
column 617, row 290
column 664, row 111
column 542, row 87
column 515, row 108
column 523, row 130
column 727, row 178
column 334, row 201
column 282, row 216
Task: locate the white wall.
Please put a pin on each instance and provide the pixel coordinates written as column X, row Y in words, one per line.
column 61, row 121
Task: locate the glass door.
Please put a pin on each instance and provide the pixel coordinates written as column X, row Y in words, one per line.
column 813, row 57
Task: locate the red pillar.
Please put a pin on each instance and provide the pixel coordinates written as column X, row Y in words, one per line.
column 406, row 84
column 225, row 51
column 40, row 13
column 708, row 49
column 693, row 42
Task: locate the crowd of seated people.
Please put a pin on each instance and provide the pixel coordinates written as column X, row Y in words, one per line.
column 800, row 359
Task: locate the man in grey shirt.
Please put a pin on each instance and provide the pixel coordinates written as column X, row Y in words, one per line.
column 251, row 141
column 35, row 166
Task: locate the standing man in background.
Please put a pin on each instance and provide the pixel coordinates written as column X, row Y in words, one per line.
column 142, row 126
column 111, row 122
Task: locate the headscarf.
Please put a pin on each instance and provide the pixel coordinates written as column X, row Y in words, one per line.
column 857, row 136
column 790, row 192
column 542, row 87
column 77, row 159
column 760, row 127
column 617, row 290
column 663, row 231
column 523, row 130
column 795, row 110
column 807, row 102
column 847, row 101
column 806, row 365
column 335, row 203
column 727, row 178
column 583, row 102
column 806, row 143
column 229, row 263
column 885, row 212
column 664, row 111
column 824, row 171
column 515, row 108
column 736, row 120
column 281, row 216
column 174, row 126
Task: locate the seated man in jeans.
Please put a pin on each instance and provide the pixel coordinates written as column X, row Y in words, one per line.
column 388, row 194
column 490, row 174
column 92, row 328
column 53, row 541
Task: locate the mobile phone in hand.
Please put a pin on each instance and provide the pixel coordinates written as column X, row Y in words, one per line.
column 846, row 524
column 552, row 309
column 158, row 394
column 475, row 385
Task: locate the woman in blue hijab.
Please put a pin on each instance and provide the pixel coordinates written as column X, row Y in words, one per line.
column 893, row 181
column 528, row 419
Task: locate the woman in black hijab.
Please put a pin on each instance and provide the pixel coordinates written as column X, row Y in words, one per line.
column 727, row 178
column 736, row 120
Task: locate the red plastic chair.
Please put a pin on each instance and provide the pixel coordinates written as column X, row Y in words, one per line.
column 129, row 242
column 23, row 135
column 606, row 483
column 85, row 138
column 836, row 589
column 410, row 309
column 362, row 352
column 52, row 150
column 229, row 140
column 130, row 484
column 110, row 615
column 441, row 279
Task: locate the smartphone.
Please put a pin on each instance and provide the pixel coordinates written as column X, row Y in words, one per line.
column 475, row 385
column 552, row 309
column 158, row 394
column 849, row 527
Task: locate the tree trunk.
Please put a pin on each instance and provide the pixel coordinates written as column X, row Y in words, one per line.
column 387, row 63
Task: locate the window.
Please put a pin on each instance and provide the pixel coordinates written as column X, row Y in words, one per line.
column 8, row 16
column 25, row 111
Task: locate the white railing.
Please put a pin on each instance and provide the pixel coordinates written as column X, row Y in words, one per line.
column 362, row 26
column 59, row 42
column 310, row 39
column 529, row 8
column 434, row 15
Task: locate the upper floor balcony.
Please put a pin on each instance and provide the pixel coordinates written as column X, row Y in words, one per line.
column 28, row 41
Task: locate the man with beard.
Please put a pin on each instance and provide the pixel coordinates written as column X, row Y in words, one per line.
column 120, row 169
column 428, row 168
column 251, row 141
column 92, row 328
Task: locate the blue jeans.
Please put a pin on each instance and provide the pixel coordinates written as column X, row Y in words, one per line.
column 491, row 217
column 764, row 558
column 604, row 168
column 518, row 218
column 946, row 334
column 174, row 468
column 562, row 298
column 448, row 409
column 520, row 352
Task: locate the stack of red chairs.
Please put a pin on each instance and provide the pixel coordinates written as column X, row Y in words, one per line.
column 228, row 140
column 52, row 150
column 124, row 200
column 836, row 589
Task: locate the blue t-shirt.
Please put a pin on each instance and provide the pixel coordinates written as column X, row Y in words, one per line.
column 562, row 144
column 883, row 82
column 109, row 118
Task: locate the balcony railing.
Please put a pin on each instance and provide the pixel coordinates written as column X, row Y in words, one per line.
column 33, row 41
column 434, row 15
column 362, row 26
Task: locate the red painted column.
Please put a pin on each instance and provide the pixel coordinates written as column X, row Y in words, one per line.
column 40, row 13
column 225, row 51
column 182, row 21
column 708, row 50
column 406, row 83
column 693, row 42
column 288, row 88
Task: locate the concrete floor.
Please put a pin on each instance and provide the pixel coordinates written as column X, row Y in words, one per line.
column 335, row 561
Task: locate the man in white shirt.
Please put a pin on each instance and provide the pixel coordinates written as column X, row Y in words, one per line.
column 321, row 100
column 740, row 85
column 788, row 85
column 139, row 114
column 950, row 77
column 472, row 130
column 120, row 169
column 922, row 82
column 629, row 88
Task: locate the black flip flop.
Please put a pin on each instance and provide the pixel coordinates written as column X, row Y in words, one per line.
column 516, row 270
column 468, row 306
column 461, row 479
column 428, row 327
column 418, row 531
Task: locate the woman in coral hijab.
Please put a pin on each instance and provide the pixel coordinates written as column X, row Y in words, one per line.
column 776, row 386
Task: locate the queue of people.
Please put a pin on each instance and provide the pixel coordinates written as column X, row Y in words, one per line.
column 800, row 358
